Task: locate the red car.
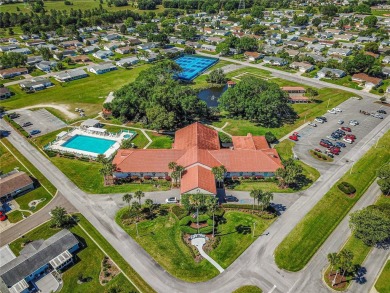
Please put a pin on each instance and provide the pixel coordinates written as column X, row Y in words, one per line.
column 3, row 217
column 352, row 136
column 346, row 129
column 334, row 150
column 318, row 150
column 293, row 137
column 296, row 133
column 324, row 144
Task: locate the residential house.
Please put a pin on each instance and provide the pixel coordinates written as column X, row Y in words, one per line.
column 294, row 44
column 110, row 37
column 69, row 44
column 110, row 46
column 70, row 75
column 275, row 61
column 15, row 183
column 346, row 37
column 293, row 89
column 210, row 48
column 4, row 93
column 221, row 32
column 386, row 60
column 35, row 43
column 316, row 47
column 150, row 58
column 214, row 40
column 366, row 80
column 102, row 68
column 371, row 54
column 37, row 262
column 36, row 84
column 124, row 50
column 90, row 49
column 80, row 58
column 339, row 51
column 302, row 66
column 101, row 54
column 174, row 40
column 32, row 60
column 46, row 66
column 91, row 41
column 327, row 72
column 12, row 72
column 365, row 39
column 253, row 56
column 133, row 41
column 129, row 61
column 292, row 52
column 195, row 45
column 386, row 71
column 147, row 46
column 197, row 148
column 8, row 48
column 24, row 51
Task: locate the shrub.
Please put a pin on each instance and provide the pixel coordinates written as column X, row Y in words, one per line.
column 270, row 137
column 50, row 153
column 201, row 218
column 380, row 91
column 179, row 212
column 224, row 138
column 267, row 216
column 210, row 222
column 206, row 230
column 188, row 230
column 346, row 187
column 185, row 221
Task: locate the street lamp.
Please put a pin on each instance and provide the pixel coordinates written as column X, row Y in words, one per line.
column 197, row 209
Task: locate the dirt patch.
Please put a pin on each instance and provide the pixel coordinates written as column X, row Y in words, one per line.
column 201, row 225
column 340, row 282
column 108, row 271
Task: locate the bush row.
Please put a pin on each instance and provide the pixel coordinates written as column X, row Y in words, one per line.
column 179, row 212
column 346, row 187
column 189, row 219
column 190, row 230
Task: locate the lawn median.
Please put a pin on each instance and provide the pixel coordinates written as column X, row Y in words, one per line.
column 295, row 251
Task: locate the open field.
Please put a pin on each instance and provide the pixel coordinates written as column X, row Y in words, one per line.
column 306, row 238
column 382, row 285
column 87, row 93
column 160, row 141
column 344, row 81
column 162, row 239
column 88, row 261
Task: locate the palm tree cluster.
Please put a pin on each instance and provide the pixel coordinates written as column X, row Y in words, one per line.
column 176, row 171
column 107, row 167
column 135, row 207
column 263, row 198
column 219, row 174
column 341, row 261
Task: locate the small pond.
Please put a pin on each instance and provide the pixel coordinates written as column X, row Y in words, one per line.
column 211, row 95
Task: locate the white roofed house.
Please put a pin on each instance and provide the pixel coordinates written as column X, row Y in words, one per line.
column 275, row 61
column 210, row 48
column 129, row 61
column 46, row 66
column 302, row 66
column 328, row 72
column 102, row 68
column 101, row 54
column 70, row 75
column 35, row 84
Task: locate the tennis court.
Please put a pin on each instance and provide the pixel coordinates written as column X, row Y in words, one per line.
column 193, row 66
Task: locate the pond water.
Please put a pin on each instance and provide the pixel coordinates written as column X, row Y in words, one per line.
column 211, row 95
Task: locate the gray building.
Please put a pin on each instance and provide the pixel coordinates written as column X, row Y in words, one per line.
column 70, row 75
column 15, row 183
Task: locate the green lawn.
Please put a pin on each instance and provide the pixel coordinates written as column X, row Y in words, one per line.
column 306, row 238
column 248, row 289
column 88, row 263
column 16, row 216
column 344, row 81
column 162, row 239
column 382, row 285
column 380, row 12
column 308, row 111
column 87, row 93
column 383, row 87
column 77, row 170
column 160, row 141
column 36, row 194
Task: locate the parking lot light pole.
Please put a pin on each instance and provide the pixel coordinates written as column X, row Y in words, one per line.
column 254, row 227
column 327, row 107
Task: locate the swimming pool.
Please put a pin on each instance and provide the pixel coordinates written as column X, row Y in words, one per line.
column 193, row 66
column 89, row 144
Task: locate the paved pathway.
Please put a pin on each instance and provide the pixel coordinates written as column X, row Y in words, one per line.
column 255, row 266
column 198, row 243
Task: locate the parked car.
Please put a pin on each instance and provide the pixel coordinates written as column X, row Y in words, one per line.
column 331, row 137
column 353, row 122
column 319, row 120
column 35, row 131
column 14, row 115
column 296, row 133
column 293, row 137
column 381, row 111
column 337, row 109
column 351, row 136
column 348, row 140
column 3, row 217
column 330, row 155
column 313, row 124
column 27, row 124
column 346, row 129
column 340, row 122
column 231, row 198
column 323, row 118
column 324, row 144
column 340, row 144
column 171, row 200
column 376, row 115
column 332, row 111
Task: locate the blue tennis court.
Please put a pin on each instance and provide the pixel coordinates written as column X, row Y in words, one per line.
column 193, row 66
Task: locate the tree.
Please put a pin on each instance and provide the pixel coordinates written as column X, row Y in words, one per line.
column 138, row 195
column 12, row 59
column 329, row 10
column 59, row 217
column 316, row 21
column 290, row 174
column 219, row 173
column 160, row 118
column 370, row 21
column 212, row 207
column 345, row 260
column 136, row 210
column 264, row 199
column 372, row 47
column 217, row 76
column 223, row 49
column 383, row 175
column 127, row 198
column 149, row 204
column 189, row 50
column 46, row 53
column 123, row 29
column 333, row 260
column 371, row 224
column 270, row 137
column 197, row 201
column 255, row 194
column 107, row 168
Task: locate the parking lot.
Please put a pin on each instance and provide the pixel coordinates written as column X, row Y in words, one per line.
column 310, row 137
column 41, row 120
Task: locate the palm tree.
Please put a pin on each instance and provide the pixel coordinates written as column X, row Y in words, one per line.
column 333, row 260
column 172, row 167
column 196, row 200
column 255, row 194
column 180, row 170
column 59, row 217
column 127, row 198
column 149, row 204
column 136, row 208
column 219, row 173
column 265, row 199
column 139, row 194
column 212, row 206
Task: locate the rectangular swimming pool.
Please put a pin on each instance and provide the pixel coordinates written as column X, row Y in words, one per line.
column 89, row 144
column 193, row 66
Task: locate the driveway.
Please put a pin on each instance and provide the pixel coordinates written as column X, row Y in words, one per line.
column 6, row 255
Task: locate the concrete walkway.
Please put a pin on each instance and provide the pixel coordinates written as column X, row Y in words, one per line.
column 198, row 243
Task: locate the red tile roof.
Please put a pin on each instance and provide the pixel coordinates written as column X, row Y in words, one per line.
column 366, row 78
column 250, row 142
column 197, row 135
column 198, row 177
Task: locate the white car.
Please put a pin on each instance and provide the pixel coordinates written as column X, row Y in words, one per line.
column 332, row 111
column 171, row 200
column 353, row 122
column 313, row 124
column 319, row 120
column 348, row 140
column 340, row 122
column 337, row 109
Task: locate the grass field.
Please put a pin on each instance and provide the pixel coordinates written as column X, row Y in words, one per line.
column 162, row 239
column 160, row 141
column 16, row 216
column 306, row 238
column 87, row 93
column 344, row 81
column 88, row 262
column 248, row 289
column 382, row 285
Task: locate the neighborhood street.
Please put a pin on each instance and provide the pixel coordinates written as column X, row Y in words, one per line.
column 255, row 266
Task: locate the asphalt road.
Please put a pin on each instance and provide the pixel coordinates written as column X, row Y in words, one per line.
column 255, row 266
column 35, row 219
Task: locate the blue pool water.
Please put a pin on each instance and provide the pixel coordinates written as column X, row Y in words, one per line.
column 89, row 144
column 192, row 66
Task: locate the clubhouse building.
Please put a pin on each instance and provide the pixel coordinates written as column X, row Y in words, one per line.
column 197, row 148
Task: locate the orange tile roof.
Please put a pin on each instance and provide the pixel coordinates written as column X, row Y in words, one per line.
column 198, row 177
column 195, row 155
column 197, row 135
column 250, row 142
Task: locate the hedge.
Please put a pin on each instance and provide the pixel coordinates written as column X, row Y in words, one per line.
column 185, row 221
column 188, row 229
column 206, row 230
column 346, row 187
column 179, row 212
column 189, row 219
column 210, row 222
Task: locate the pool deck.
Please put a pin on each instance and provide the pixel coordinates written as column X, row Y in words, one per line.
column 58, row 145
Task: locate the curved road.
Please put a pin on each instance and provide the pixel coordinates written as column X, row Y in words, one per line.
column 255, row 266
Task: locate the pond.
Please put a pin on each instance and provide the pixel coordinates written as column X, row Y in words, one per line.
column 211, row 95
